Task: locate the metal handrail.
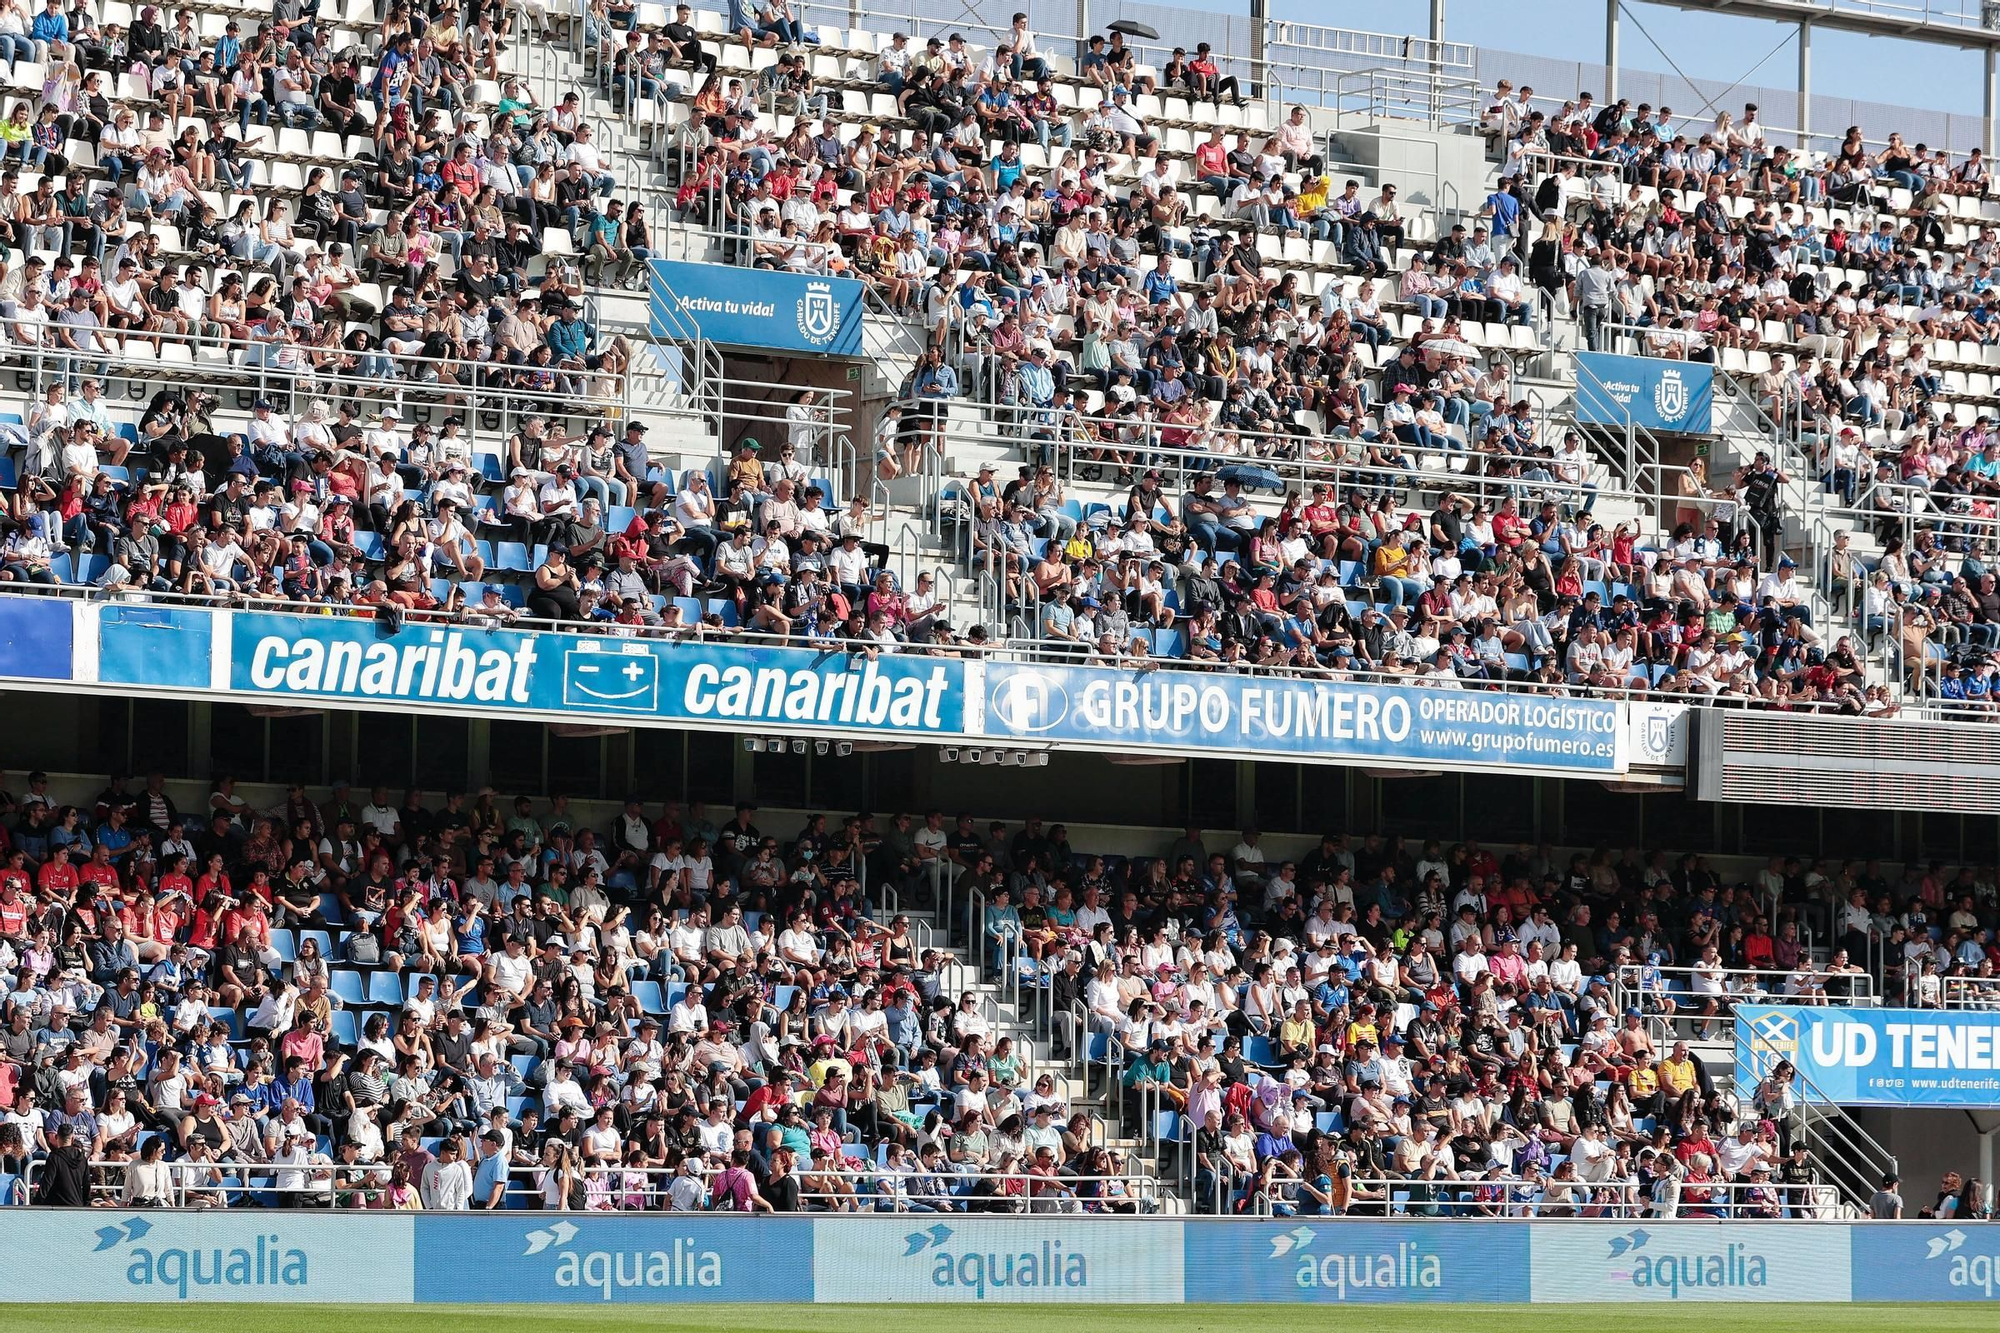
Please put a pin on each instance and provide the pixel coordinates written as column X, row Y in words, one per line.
column 1427, row 1198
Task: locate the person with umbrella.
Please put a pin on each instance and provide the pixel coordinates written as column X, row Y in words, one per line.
column 1124, row 60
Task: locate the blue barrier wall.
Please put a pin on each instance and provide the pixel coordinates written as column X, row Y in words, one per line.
column 114, row 1255
column 352, row 661
column 37, row 638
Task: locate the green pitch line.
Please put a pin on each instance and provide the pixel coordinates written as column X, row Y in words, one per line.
column 1734, row 1318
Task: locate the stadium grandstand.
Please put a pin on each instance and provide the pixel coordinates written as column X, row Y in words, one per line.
column 1148, row 440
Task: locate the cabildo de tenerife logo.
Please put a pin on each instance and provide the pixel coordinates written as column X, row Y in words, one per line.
column 266, row 1262
column 819, row 314
column 1967, row 1270
column 967, row 1268
column 1671, row 398
column 1404, row 1266
column 1701, row 1266
column 678, row 1264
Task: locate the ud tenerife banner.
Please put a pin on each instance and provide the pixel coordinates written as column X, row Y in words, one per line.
column 1875, row 1057
column 755, row 307
column 338, row 657
column 1655, row 393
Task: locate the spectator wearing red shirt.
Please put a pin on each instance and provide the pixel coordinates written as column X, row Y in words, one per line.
column 13, row 909
column 98, row 872
column 57, row 878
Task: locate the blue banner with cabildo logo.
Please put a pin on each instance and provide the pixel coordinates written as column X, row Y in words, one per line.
column 342, row 657
column 1874, row 1057
column 756, row 307
column 1652, row 392
column 257, row 1255
column 1272, row 715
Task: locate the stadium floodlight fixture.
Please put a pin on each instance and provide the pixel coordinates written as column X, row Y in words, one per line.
column 948, row 754
column 842, row 749
column 753, row 743
column 798, row 747
column 819, row 747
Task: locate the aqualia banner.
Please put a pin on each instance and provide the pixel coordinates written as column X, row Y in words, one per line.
column 755, row 307
column 340, row 657
column 921, row 1258
column 1644, row 1260
column 1874, row 1057
column 594, row 1258
column 584, row 1258
column 1276, row 715
column 113, row 1255
column 1918, row 1261
column 1342, row 1261
column 1651, row 392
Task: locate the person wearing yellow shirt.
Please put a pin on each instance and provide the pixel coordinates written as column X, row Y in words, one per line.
column 1296, row 1033
column 1361, row 1030
column 1314, row 191
column 1679, row 1075
column 1391, row 568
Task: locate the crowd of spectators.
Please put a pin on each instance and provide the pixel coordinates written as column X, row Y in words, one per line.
column 1852, row 288
column 1078, row 257
column 360, row 1002
column 1379, row 1024
column 364, row 1002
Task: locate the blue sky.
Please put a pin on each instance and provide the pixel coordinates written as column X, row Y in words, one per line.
column 1705, row 45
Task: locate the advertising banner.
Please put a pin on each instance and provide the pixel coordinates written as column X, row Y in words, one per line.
column 1340, row 1261
column 755, row 307
column 1656, row 1261
column 926, row 1258
column 1941, row 1262
column 1875, row 1057
column 1272, row 716
column 532, row 1257
column 1655, row 393
column 630, row 1258
column 109, row 1254
column 342, row 658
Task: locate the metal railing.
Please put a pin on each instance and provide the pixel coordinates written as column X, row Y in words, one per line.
column 1513, row 1196
column 1851, row 1157
column 1969, row 992
column 1678, row 1014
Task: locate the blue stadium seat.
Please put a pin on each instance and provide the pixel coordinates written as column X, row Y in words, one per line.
column 347, row 986
column 513, row 557
column 385, row 988
column 346, row 1029
column 284, row 944
column 228, row 1017
column 647, row 993
column 321, row 938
